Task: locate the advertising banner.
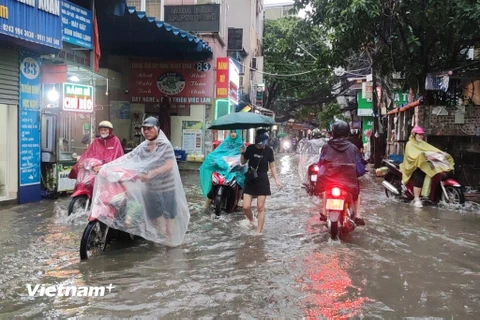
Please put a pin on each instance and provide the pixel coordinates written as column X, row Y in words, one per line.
column 192, row 139
column 184, row 82
column 234, row 82
column 29, row 120
column 222, row 84
column 77, row 98
column 77, row 25
column 34, row 21
column 198, row 18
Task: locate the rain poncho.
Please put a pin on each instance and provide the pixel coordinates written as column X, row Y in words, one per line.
column 155, row 209
column 426, row 157
column 225, row 160
column 309, row 154
column 106, row 150
column 340, row 163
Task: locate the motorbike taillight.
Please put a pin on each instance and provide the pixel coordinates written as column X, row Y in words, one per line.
column 336, row 192
column 217, row 178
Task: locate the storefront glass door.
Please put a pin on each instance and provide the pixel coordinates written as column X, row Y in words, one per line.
column 3, row 150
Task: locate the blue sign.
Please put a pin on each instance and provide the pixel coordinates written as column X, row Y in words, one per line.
column 35, row 21
column 29, row 119
column 77, row 25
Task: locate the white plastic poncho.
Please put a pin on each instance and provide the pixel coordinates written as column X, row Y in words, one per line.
column 142, row 194
column 309, row 154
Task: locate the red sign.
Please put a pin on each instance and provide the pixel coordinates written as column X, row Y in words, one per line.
column 185, row 83
column 222, row 88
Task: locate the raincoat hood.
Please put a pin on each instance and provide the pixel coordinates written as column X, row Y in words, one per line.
column 220, row 160
column 426, row 157
column 154, row 208
column 339, row 144
column 106, row 150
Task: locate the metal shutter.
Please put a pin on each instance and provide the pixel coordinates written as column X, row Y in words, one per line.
column 9, row 76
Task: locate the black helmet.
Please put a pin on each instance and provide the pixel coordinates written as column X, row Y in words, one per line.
column 316, row 133
column 261, row 137
column 151, row 122
column 340, row 129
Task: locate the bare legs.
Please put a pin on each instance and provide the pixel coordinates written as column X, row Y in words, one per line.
column 247, row 208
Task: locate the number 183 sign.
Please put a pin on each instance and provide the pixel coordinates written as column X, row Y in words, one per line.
column 77, row 98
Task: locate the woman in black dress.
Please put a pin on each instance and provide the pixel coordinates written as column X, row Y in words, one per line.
column 260, row 157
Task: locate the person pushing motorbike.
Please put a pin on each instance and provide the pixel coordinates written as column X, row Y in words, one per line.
column 106, row 148
column 341, row 152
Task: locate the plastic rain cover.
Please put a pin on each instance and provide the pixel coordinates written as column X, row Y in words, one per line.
column 142, row 194
column 309, row 154
column 224, row 160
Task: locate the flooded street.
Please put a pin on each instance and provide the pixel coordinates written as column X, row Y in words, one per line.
column 406, row 262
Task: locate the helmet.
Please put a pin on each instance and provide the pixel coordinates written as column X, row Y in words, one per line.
column 151, row 122
column 261, row 137
column 340, row 129
column 105, row 124
column 316, row 133
column 417, row 130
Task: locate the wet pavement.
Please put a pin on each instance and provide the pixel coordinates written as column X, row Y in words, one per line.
column 407, row 262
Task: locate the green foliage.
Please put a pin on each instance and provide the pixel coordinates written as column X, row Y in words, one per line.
column 413, row 37
column 295, row 46
column 328, row 115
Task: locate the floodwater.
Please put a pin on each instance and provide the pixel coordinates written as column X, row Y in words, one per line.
column 406, row 262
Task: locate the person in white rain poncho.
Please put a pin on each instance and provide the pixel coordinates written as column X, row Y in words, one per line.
column 152, row 204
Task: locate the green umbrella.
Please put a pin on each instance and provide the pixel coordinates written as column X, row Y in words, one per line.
column 241, row 120
column 282, row 134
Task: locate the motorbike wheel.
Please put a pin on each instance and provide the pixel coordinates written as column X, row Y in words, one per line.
column 396, row 183
column 334, row 230
column 77, row 203
column 455, row 195
column 218, row 204
column 94, row 239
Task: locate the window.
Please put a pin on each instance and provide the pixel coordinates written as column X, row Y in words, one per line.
column 151, row 7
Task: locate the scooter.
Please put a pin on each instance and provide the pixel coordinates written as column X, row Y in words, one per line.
column 97, row 235
column 82, row 194
column 286, row 146
column 339, row 211
column 227, row 193
column 443, row 187
column 311, row 184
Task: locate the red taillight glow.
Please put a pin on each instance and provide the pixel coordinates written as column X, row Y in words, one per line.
column 336, row 192
column 315, row 168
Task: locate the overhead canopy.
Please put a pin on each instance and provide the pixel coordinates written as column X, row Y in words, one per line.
column 125, row 31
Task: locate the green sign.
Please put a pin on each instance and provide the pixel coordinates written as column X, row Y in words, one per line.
column 367, row 124
column 365, row 107
column 399, row 97
column 77, row 98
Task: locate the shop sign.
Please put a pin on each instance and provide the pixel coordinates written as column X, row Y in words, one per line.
column 77, row 98
column 400, row 98
column 34, row 21
column 76, row 25
column 198, row 18
column 234, row 82
column 29, row 126
column 64, row 182
column 222, row 83
column 184, row 82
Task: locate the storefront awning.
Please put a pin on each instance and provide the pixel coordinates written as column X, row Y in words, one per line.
column 127, row 31
column 407, row 106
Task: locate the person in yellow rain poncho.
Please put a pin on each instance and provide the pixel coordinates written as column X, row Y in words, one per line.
column 421, row 162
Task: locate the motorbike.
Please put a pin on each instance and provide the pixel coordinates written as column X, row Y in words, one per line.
column 116, row 208
column 286, row 146
column 339, row 211
column 443, row 187
column 311, row 183
column 227, row 192
column 82, row 193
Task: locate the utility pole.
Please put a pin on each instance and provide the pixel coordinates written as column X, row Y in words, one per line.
column 375, row 138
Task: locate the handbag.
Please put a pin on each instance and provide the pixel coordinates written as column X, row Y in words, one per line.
column 251, row 175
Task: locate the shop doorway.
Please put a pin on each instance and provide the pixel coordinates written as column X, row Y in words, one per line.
column 4, row 148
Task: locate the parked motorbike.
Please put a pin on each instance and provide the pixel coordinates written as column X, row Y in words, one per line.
column 97, row 235
column 82, row 194
column 227, row 193
column 443, row 187
column 339, row 211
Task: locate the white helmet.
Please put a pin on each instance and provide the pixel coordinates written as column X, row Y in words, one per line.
column 105, row 124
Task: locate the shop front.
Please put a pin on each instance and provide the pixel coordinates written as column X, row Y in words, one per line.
column 28, row 31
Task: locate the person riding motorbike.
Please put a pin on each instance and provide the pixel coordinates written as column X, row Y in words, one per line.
column 215, row 162
column 415, row 165
column 106, row 148
column 310, row 153
column 340, row 162
column 159, row 191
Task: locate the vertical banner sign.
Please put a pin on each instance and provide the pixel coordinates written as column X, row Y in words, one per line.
column 29, row 126
column 222, row 83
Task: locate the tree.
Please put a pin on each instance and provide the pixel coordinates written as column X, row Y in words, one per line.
column 328, row 115
column 293, row 46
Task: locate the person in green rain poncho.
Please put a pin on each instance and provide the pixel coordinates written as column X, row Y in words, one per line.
column 216, row 161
